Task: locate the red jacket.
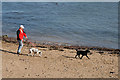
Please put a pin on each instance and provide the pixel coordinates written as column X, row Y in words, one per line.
column 20, row 34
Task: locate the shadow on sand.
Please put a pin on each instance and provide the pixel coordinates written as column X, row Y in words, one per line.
column 12, row 52
column 68, row 56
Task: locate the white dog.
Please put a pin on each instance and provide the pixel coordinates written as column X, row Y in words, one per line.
column 35, row 51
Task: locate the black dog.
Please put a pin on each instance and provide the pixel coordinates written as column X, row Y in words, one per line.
column 83, row 53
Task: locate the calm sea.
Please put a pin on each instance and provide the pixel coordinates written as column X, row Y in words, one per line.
column 77, row 23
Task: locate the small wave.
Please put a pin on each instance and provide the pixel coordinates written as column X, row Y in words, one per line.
column 14, row 12
column 14, row 17
column 17, row 11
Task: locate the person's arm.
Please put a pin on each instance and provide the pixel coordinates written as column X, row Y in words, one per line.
column 24, row 34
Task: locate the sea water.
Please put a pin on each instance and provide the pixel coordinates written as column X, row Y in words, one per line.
column 77, row 23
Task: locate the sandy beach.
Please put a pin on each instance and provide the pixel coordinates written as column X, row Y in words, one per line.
column 57, row 63
column 58, row 29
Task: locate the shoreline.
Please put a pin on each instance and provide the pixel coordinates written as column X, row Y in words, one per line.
column 55, row 45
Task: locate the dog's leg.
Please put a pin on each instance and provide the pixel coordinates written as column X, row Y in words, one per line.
column 87, row 57
column 81, row 57
column 35, row 53
column 40, row 53
column 28, row 54
column 31, row 52
column 76, row 56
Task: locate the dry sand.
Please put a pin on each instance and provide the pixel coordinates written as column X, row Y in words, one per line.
column 56, row 64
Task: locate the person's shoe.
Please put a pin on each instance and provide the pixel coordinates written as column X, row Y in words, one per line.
column 18, row 53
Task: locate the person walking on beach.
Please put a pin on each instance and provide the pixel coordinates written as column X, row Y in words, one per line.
column 20, row 34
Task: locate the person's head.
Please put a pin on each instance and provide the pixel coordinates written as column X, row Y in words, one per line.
column 21, row 27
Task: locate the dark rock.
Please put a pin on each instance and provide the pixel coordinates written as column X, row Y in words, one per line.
column 53, row 48
column 37, row 74
column 112, row 72
column 61, row 50
column 25, row 68
column 101, row 52
column 42, row 46
column 45, row 57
